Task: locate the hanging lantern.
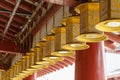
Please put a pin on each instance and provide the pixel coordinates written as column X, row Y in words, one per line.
column 29, row 61
column 19, row 70
column 23, row 67
column 73, row 30
column 35, row 57
column 50, row 48
column 7, row 75
column 42, row 53
column 39, row 63
column 89, row 17
column 60, row 39
column 109, row 14
column 11, row 72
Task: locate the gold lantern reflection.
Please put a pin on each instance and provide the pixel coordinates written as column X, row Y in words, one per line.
column 89, row 17
column 50, row 47
column 60, row 39
column 72, row 30
column 109, row 12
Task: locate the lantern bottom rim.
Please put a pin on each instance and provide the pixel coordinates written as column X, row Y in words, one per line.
column 109, row 25
column 15, row 78
column 46, row 62
column 23, row 74
column 91, row 37
column 54, row 58
column 39, row 66
column 63, row 53
column 20, row 76
column 75, row 46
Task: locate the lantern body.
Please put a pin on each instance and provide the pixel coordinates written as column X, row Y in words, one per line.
column 50, row 48
column 72, row 31
column 110, row 15
column 50, row 43
column 89, row 17
column 60, row 39
column 41, row 63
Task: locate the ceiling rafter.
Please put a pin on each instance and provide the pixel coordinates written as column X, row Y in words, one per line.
column 22, row 6
column 18, row 13
column 4, row 6
column 16, row 19
column 13, row 23
column 12, row 30
column 11, row 17
column 6, row 37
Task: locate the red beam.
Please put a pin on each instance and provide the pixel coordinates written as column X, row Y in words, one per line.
column 8, row 33
column 109, row 44
column 64, row 63
column 9, row 47
column 60, row 65
column 17, row 19
column 5, row 6
column 13, row 23
column 22, row 5
column 113, row 37
column 69, row 59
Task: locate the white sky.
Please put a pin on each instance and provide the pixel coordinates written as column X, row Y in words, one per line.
column 112, row 67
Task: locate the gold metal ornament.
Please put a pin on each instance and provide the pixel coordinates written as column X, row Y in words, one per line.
column 50, row 48
column 11, row 73
column 23, row 68
column 109, row 12
column 42, row 53
column 73, row 30
column 35, row 58
column 29, row 61
column 60, row 40
column 89, row 17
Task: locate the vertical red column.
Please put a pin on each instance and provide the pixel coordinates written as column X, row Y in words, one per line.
column 89, row 63
column 31, row 77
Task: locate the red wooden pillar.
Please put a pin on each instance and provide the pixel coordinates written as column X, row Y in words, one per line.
column 31, row 77
column 89, row 63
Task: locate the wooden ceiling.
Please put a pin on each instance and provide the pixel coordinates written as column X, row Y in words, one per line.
column 13, row 16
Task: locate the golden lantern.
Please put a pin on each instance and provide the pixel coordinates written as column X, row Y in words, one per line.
column 11, row 73
column 23, row 68
column 89, row 17
column 109, row 12
column 36, row 57
column 73, row 30
column 35, row 61
column 60, row 39
column 42, row 53
column 7, row 75
column 19, row 70
column 14, row 70
column 50, row 48
column 27, row 64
